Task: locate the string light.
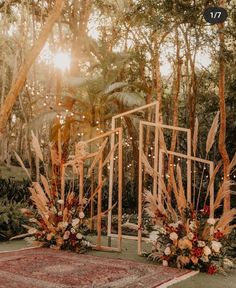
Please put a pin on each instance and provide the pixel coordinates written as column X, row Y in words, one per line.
column 83, row 117
column 59, row 104
column 71, row 114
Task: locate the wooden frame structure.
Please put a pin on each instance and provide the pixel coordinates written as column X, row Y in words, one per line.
column 80, row 163
column 114, row 118
column 189, row 159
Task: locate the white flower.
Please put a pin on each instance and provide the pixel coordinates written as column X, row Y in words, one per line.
column 153, row 236
column 79, row 236
column 190, row 236
column 62, row 225
column 75, row 222
column 211, row 221
column 81, row 215
column 201, row 244
column 33, row 220
column 86, row 243
column 167, row 251
column 59, row 213
column 173, row 236
column 32, row 231
column 66, row 235
column 165, row 263
column 206, row 251
column 205, row 258
column 60, row 201
column 192, row 225
column 215, row 245
column 72, row 230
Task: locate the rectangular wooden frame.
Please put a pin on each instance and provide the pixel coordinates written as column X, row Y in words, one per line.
column 140, row 188
column 180, row 155
column 110, row 133
column 113, row 124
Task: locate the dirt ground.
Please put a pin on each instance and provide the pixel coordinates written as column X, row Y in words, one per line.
column 201, row 280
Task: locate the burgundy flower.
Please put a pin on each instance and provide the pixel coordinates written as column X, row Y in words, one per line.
column 218, row 235
column 197, row 251
column 206, row 209
column 212, row 269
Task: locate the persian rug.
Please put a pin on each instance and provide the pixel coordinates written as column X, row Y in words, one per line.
column 48, row 268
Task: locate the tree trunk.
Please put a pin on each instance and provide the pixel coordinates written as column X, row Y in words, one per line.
column 222, row 132
column 25, row 67
column 176, row 90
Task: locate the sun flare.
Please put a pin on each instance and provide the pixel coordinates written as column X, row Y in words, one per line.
column 62, row 60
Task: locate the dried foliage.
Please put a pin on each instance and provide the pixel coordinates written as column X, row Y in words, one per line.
column 212, row 133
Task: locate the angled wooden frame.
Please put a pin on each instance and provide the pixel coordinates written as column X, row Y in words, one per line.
column 114, row 118
column 158, row 125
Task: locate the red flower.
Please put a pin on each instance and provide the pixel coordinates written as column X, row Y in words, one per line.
column 206, row 209
column 218, row 235
column 197, row 251
column 212, row 269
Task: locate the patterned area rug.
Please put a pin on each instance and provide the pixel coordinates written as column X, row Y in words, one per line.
column 47, row 268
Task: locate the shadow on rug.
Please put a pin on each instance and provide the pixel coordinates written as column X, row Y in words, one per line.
column 47, row 268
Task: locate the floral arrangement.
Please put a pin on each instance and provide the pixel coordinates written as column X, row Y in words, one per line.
column 56, row 224
column 58, row 220
column 183, row 235
column 192, row 240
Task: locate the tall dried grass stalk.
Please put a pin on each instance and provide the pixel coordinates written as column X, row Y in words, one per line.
column 222, row 193
column 181, row 196
column 226, row 219
column 232, row 164
column 212, row 180
column 36, row 146
column 212, row 133
column 195, row 137
column 22, row 165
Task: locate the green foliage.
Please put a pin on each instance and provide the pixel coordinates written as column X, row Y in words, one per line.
column 16, row 191
column 11, row 219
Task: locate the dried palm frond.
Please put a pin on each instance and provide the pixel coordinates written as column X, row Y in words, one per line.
column 36, row 146
column 229, row 229
column 212, row 179
column 46, row 186
column 40, row 192
column 182, row 199
column 97, row 157
column 226, row 219
column 195, row 137
column 223, row 191
column 163, row 189
column 212, row 133
column 232, row 164
column 22, row 165
column 153, row 207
